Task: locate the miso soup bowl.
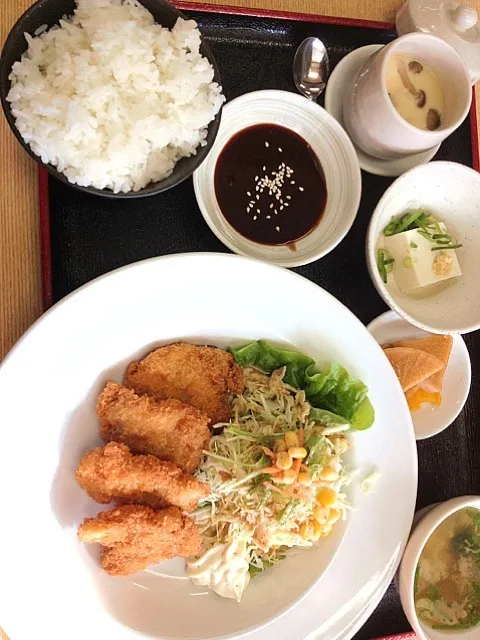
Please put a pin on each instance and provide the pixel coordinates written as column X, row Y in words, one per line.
column 372, row 121
column 424, row 524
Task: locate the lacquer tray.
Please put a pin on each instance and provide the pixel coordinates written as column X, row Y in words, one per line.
column 84, row 236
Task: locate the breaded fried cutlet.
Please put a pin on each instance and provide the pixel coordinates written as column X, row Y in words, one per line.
column 113, row 473
column 135, row 537
column 205, row 377
column 169, row 429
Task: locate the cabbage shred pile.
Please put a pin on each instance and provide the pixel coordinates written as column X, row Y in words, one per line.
column 246, row 500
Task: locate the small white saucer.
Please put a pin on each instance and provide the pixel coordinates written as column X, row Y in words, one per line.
column 344, row 74
column 429, row 420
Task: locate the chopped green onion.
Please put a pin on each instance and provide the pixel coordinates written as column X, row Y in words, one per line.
column 397, row 225
column 408, row 220
column 384, row 263
column 425, row 234
column 413, row 245
column 443, row 247
column 408, row 263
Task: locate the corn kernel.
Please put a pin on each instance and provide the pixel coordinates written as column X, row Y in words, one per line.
column 326, row 530
column 280, row 445
column 307, row 530
column 320, row 514
column 289, row 476
column 333, row 516
column 291, row 439
column 298, row 452
column 329, row 475
column 304, row 478
column 326, row 496
column 317, row 531
column 284, row 460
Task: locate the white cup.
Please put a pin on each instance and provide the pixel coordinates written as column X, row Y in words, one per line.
column 372, row 121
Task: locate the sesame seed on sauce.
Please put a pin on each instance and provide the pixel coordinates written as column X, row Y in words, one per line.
column 263, row 159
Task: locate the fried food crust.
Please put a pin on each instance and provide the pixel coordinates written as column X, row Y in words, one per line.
column 168, row 429
column 205, row 377
column 113, row 473
column 134, row 537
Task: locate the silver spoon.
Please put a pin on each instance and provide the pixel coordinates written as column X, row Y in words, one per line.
column 310, row 68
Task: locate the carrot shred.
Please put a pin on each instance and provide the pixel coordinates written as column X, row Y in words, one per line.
column 297, row 463
column 272, row 470
column 268, row 452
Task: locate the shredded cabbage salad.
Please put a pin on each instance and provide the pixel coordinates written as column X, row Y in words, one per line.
column 276, row 470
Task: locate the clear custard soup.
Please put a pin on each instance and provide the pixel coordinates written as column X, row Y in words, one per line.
column 415, row 92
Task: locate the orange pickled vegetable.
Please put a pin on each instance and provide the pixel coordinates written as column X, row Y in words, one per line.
column 416, row 397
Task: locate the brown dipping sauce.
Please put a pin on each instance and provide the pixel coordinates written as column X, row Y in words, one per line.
column 270, row 185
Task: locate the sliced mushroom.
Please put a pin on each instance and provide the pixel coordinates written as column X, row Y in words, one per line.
column 415, row 66
column 421, row 99
column 433, row 119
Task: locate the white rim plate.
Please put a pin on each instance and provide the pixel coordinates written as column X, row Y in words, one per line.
column 333, row 149
column 428, row 421
column 344, row 74
column 48, row 385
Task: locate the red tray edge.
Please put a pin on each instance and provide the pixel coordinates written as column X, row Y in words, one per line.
column 286, row 15
column 410, row 635
column 45, row 242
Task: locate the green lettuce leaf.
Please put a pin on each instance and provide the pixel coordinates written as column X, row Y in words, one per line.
column 327, row 418
column 335, row 390
column 267, row 357
column 341, row 398
column 364, row 416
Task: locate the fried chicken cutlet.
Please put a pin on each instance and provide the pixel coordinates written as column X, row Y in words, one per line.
column 135, row 537
column 168, row 429
column 205, row 377
column 113, row 473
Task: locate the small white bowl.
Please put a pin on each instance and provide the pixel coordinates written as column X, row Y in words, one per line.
column 331, row 145
column 428, row 421
column 424, row 525
column 451, row 192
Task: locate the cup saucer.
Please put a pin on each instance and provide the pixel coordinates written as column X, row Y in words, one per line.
column 343, row 74
column 429, row 421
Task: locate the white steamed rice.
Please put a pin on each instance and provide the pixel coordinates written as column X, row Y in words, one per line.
column 113, row 99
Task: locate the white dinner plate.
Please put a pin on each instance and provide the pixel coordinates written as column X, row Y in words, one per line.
column 429, row 420
column 48, row 387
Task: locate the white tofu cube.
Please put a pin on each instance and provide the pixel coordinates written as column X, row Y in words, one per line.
column 416, row 265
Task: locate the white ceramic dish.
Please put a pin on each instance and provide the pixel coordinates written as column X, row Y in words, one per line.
column 456, row 23
column 342, row 76
column 334, row 151
column 405, row 578
column 451, row 192
column 48, row 387
column 372, row 121
column 428, row 421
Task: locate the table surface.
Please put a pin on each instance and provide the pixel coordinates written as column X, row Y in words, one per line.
column 20, row 272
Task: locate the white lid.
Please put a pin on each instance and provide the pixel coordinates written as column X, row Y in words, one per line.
column 455, row 23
